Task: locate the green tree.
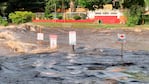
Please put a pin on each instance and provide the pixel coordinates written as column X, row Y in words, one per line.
column 91, row 4
column 8, row 6
column 49, row 7
column 135, row 11
column 130, row 3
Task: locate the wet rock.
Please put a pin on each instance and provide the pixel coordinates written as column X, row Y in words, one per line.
column 110, row 52
column 140, row 53
column 96, row 68
column 95, row 51
column 74, row 72
column 81, row 50
column 7, row 35
column 11, row 26
column 27, row 27
column 115, row 69
column 74, row 67
column 33, row 29
column 116, row 75
column 87, row 80
column 49, row 74
column 9, row 68
column 134, row 69
column 111, row 81
column 38, row 63
column 101, row 74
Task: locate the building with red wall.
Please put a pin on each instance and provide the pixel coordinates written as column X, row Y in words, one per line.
column 108, row 16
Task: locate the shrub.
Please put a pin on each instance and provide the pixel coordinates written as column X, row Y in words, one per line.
column 3, row 21
column 21, row 16
column 76, row 17
column 50, row 16
column 60, row 17
column 132, row 21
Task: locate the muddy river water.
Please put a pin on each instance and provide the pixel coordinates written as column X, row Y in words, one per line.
column 96, row 59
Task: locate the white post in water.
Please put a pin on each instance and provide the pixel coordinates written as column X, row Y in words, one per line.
column 72, row 39
column 40, row 38
column 53, row 41
column 122, row 40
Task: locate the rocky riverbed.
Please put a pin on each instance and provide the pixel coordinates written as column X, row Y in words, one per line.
column 96, row 59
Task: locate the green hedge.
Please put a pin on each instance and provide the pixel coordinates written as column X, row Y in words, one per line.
column 59, row 16
column 21, row 17
column 76, row 17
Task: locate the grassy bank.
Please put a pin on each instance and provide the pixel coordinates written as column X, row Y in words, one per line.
column 79, row 25
column 88, row 25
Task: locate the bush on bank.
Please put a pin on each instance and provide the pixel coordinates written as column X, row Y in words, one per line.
column 3, row 21
column 21, row 16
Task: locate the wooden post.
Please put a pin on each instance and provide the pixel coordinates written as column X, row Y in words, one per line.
column 40, row 37
column 72, row 40
column 122, row 50
column 122, row 39
column 73, row 49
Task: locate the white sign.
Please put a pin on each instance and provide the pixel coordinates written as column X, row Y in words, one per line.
column 72, row 37
column 53, row 41
column 121, row 37
column 40, row 36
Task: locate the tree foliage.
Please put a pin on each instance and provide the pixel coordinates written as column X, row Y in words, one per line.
column 130, row 3
column 135, row 11
column 91, row 4
column 8, row 6
column 39, row 5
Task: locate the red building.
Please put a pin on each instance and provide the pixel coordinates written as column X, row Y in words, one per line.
column 108, row 17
